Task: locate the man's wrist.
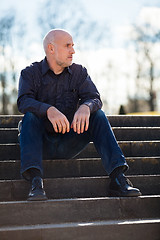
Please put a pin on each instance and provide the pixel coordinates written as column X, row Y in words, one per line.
column 85, row 104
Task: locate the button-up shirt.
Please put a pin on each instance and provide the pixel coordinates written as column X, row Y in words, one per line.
column 40, row 88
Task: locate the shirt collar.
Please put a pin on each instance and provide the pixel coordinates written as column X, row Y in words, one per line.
column 69, row 70
column 45, row 67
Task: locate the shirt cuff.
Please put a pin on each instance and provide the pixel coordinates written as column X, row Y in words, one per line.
column 43, row 109
column 89, row 104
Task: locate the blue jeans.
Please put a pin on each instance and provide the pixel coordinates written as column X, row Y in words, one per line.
column 36, row 143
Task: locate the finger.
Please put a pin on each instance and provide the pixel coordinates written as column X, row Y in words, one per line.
column 67, row 125
column 86, row 124
column 59, row 126
column 55, row 127
column 78, row 127
column 64, row 127
column 74, row 124
column 82, row 126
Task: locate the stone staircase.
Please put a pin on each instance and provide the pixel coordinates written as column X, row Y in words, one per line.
column 79, row 207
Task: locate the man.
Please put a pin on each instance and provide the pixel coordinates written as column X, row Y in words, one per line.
column 63, row 114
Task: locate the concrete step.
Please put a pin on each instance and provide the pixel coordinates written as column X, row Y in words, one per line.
column 137, row 133
column 123, row 230
column 78, row 210
column 134, row 121
column 11, row 121
column 10, row 135
column 129, row 148
column 85, row 167
column 88, row 187
column 78, row 206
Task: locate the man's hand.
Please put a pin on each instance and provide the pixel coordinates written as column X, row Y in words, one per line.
column 81, row 119
column 59, row 121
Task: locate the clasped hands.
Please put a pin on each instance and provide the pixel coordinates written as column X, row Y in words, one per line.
column 61, row 124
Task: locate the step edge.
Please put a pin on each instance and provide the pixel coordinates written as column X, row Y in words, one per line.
column 81, row 159
column 156, row 196
column 114, row 128
column 82, row 224
column 90, row 177
column 91, row 143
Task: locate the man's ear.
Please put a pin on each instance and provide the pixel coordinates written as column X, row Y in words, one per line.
column 51, row 48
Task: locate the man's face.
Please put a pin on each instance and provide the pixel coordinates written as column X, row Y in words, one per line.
column 64, row 50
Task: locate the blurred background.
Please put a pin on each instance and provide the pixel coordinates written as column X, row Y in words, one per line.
column 118, row 42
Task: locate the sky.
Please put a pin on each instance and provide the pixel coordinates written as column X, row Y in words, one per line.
column 117, row 14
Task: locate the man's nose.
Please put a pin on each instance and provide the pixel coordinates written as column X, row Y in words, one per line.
column 72, row 50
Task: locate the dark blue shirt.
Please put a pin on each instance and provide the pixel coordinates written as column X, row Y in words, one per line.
column 40, row 88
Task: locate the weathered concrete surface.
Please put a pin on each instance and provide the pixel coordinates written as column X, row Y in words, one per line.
column 78, row 210
column 115, row 120
column 88, row 187
column 79, row 207
column 110, row 230
column 85, row 167
column 129, row 148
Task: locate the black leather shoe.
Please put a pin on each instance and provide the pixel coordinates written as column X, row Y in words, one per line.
column 37, row 192
column 120, row 186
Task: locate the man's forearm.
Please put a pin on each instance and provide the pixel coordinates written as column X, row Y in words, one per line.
column 27, row 104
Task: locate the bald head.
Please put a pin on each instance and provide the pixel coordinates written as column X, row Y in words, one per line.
column 58, row 46
column 53, row 36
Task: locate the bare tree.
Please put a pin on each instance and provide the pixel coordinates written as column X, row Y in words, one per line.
column 9, row 33
column 6, row 25
column 72, row 16
column 145, row 39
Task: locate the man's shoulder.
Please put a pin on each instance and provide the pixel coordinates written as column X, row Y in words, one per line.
column 35, row 66
column 76, row 66
column 78, row 69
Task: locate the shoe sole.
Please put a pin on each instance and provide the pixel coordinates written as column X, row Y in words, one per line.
column 37, row 198
column 113, row 193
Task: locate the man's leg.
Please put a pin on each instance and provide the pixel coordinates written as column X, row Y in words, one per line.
column 70, row 144
column 31, row 145
column 112, row 157
column 65, row 146
column 106, row 143
column 35, row 143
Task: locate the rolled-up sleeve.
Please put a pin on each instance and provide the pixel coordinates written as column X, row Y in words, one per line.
column 27, row 101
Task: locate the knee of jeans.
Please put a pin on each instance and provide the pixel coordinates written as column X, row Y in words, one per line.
column 30, row 115
column 30, row 119
column 99, row 114
column 99, row 117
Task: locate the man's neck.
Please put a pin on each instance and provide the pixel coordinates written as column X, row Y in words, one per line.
column 55, row 68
